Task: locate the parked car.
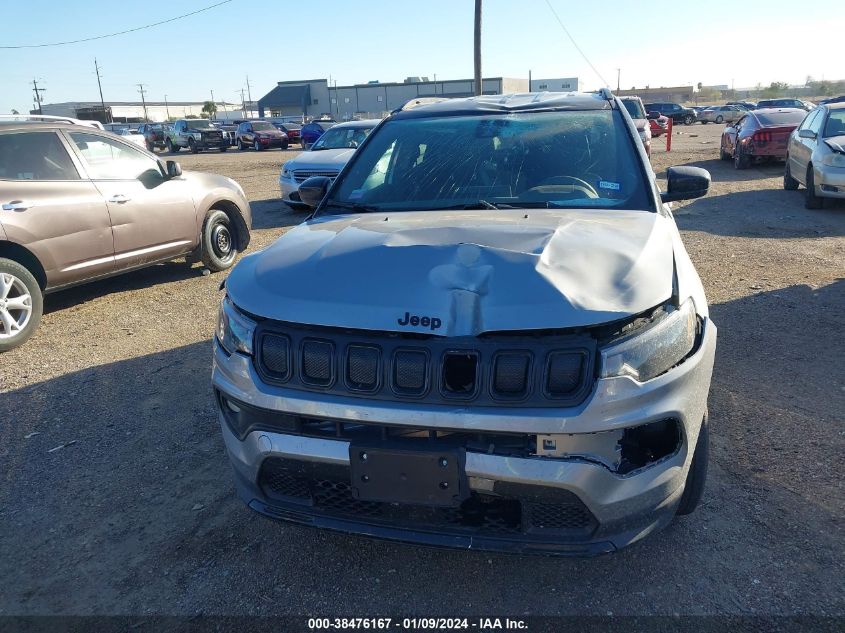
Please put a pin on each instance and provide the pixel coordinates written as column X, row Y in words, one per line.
column 721, row 114
column 816, row 155
column 762, row 133
column 260, row 135
column 46, row 118
column 747, row 105
column 658, row 123
column 678, row 113
column 291, row 129
column 310, row 132
column 840, row 99
column 230, row 132
column 634, row 106
column 196, row 135
column 129, row 133
column 785, row 103
column 326, row 157
column 489, row 336
column 155, row 135
column 80, row 204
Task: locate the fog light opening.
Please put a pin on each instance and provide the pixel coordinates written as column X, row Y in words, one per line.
column 644, row 445
column 460, row 373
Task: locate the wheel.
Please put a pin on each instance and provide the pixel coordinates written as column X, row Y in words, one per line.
column 151, row 147
column 285, row 145
column 812, row 201
column 697, row 476
column 241, row 146
column 688, row 119
column 789, row 183
column 170, row 147
column 218, row 241
column 723, row 155
column 720, row 119
column 192, row 146
column 705, row 122
column 741, row 160
column 256, row 146
column 21, row 303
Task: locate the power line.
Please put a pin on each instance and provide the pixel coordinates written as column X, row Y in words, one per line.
column 578, row 48
column 138, row 28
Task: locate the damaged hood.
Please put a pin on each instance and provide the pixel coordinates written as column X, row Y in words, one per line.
column 461, row 273
column 836, row 143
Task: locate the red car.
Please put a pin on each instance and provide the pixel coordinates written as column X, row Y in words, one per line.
column 291, row 129
column 759, row 134
column 658, row 125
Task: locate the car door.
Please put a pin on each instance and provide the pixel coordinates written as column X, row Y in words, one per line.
column 801, row 150
column 153, row 216
column 51, row 209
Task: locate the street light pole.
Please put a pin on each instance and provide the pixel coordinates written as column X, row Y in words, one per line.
column 618, row 76
column 477, row 48
column 166, row 107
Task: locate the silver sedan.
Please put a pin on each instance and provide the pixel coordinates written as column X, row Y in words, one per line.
column 721, row 114
column 816, row 155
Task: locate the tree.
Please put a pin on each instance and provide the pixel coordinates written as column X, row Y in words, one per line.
column 15, row 111
column 700, row 85
column 209, row 109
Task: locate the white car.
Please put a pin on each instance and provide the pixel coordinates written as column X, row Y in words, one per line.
column 325, row 158
column 128, row 133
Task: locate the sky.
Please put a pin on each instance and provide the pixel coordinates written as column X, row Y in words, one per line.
column 355, row 42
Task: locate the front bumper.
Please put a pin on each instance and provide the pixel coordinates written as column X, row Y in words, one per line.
column 289, row 190
column 831, row 181
column 622, row 508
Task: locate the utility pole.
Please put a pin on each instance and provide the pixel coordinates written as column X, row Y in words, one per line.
column 530, row 89
column 477, row 48
column 243, row 104
column 106, row 117
column 166, row 107
column 143, row 101
column 214, row 104
column 248, row 96
column 38, row 92
column 618, row 76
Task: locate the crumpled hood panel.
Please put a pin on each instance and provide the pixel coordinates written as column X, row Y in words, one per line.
column 472, row 271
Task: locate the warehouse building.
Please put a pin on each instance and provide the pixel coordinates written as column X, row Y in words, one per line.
column 312, row 98
column 136, row 111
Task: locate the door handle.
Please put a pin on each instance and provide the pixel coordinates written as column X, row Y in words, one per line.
column 16, row 205
column 119, row 198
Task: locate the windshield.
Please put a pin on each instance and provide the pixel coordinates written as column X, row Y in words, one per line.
column 572, row 159
column 835, row 125
column 261, row 126
column 341, row 138
column 634, row 109
column 199, row 124
column 782, row 118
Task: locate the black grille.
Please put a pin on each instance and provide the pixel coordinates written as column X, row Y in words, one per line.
column 564, row 374
column 362, row 367
column 276, row 354
column 330, row 493
column 409, row 371
column 491, row 370
column 510, row 373
column 317, row 358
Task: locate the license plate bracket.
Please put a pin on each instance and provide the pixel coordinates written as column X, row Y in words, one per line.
column 402, row 475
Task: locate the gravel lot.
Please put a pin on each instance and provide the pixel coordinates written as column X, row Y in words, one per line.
column 137, row 513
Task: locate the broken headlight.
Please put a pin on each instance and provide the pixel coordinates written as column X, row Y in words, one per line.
column 655, row 348
column 234, row 329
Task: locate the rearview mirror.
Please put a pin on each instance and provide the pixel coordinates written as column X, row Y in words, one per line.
column 173, row 169
column 654, row 114
column 807, row 133
column 685, row 183
column 313, row 190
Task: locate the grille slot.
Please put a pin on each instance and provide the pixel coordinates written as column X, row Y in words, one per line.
column 301, row 175
column 317, row 363
column 410, row 371
column 362, row 367
column 460, row 374
column 275, row 354
column 559, row 516
column 563, row 375
column 510, row 374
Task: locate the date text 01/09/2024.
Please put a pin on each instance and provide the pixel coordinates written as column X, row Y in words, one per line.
column 416, row 624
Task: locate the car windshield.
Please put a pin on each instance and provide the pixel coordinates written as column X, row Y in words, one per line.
column 835, row 125
column 634, row 109
column 261, row 126
column 781, row 118
column 340, row 138
column 569, row 159
column 200, row 124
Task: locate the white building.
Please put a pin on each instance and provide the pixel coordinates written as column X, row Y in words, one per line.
column 135, row 111
column 560, row 84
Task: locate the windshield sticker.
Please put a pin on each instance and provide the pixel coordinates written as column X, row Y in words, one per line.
column 356, row 194
column 605, row 184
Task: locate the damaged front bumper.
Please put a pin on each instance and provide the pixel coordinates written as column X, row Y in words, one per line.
column 573, row 496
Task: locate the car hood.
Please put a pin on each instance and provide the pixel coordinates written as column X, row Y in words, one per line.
column 473, row 272
column 322, row 158
column 836, row 143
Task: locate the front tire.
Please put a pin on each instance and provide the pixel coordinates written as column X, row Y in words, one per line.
column 720, row 119
column 812, row 201
column 256, row 145
column 170, row 147
column 241, row 146
column 723, row 155
column 21, row 304
column 789, row 183
column 741, row 160
column 697, row 476
column 689, row 119
column 219, row 241
column 192, row 146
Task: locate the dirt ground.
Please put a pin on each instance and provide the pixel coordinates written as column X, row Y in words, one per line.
column 137, row 514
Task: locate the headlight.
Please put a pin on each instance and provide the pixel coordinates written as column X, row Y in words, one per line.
column 834, row 160
column 655, row 349
column 234, row 330
column 286, row 171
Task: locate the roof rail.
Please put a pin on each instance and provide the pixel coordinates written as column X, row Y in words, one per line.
column 48, row 118
column 413, row 103
column 605, row 94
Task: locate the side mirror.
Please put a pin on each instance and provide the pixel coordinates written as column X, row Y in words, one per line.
column 313, row 190
column 807, row 133
column 174, row 169
column 686, row 183
column 654, row 114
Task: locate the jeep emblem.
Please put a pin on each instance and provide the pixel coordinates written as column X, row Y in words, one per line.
column 412, row 319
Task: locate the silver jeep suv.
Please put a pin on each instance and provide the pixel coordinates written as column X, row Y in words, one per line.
column 488, row 336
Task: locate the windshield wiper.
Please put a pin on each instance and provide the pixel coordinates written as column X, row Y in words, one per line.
column 355, row 207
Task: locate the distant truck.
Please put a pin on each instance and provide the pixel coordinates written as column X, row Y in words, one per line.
column 196, row 135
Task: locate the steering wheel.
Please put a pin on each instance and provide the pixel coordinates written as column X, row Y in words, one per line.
column 575, row 184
